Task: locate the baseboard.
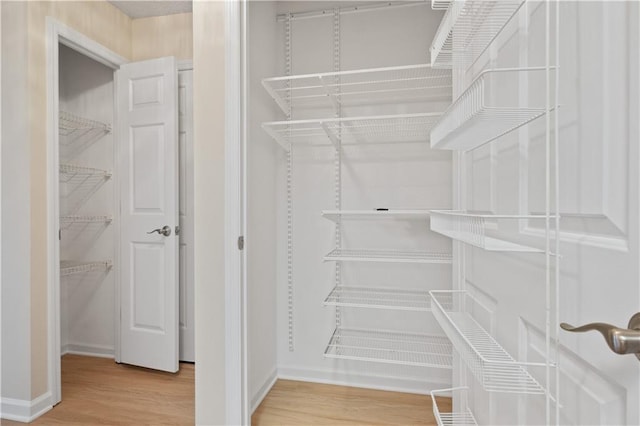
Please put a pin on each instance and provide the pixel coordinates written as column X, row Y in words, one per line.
column 264, row 390
column 368, row 381
column 88, row 350
column 25, row 411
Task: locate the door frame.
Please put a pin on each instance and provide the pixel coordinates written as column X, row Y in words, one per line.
column 58, row 33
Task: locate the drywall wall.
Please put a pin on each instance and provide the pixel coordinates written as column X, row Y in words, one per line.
column 209, row 132
column 262, row 162
column 159, row 36
column 108, row 26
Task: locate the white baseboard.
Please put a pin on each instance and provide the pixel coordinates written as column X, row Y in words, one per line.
column 25, row 411
column 257, row 398
column 88, row 350
column 379, row 382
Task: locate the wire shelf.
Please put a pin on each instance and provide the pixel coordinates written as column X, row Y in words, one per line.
column 412, row 83
column 440, row 4
column 463, row 418
column 487, row 110
column 389, row 347
column 357, row 130
column 489, row 363
column 77, row 133
column 471, row 228
column 70, row 267
column 84, row 219
column 335, row 215
column 379, row 298
column 467, row 29
column 391, row 256
column 72, row 172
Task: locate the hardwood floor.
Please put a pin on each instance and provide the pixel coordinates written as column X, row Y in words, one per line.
column 300, row 403
column 97, row 391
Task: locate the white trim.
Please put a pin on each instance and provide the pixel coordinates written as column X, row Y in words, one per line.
column 366, row 381
column 262, row 392
column 88, row 350
column 236, row 409
column 25, row 411
column 185, row 65
column 56, row 33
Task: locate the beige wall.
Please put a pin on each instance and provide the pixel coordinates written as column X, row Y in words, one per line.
column 170, row 35
column 208, row 99
column 108, row 26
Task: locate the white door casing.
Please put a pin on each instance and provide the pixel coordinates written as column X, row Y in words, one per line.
column 148, row 138
column 185, row 142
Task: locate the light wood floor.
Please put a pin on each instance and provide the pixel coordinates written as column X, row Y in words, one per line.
column 301, row 403
column 97, row 391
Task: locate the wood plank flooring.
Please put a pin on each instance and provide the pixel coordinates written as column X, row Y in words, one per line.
column 97, row 391
column 300, row 403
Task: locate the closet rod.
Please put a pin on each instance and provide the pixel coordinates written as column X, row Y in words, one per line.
column 324, row 13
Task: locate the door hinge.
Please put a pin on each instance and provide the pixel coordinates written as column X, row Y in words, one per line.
column 241, row 242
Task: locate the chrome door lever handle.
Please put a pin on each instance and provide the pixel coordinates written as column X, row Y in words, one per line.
column 165, row 230
column 620, row 340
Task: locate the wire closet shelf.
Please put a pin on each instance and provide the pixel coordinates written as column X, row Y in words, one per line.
column 398, row 128
column 336, row 215
column 69, row 220
column 489, row 363
column 460, row 418
column 412, row 83
column 490, row 108
column 70, row 267
column 379, row 298
column 467, row 29
column 480, row 230
column 387, row 256
column 77, row 133
column 416, row 349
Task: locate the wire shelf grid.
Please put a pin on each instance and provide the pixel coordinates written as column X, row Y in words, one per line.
column 390, row 256
column 356, row 130
column 72, row 173
column 462, row 418
column 69, row 220
column 379, row 298
column 78, row 133
column 70, row 267
column 412, row 83
column 467, row 29
column 471, row 228
column 389, row 347
column 489, row 363
column 336, row 215
column 485, row 111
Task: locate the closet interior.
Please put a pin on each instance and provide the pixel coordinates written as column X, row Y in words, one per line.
column 366, row 127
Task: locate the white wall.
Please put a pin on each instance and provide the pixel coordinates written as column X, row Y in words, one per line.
column 398, row 176
column 87, row 300
column 262, row 157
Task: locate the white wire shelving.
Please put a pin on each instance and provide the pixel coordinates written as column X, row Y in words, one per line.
column 471, row 228
column 388, row 256
column 379, row 298
column 69, row 220
column 70, row 267
column 401, row 84
column 489, row 363
column 77, row 133
column 462, row 418
column 70, row 173
column 355, row 130
column 389, row 347
column 335, row 215
column 487, row 110
column 467, row 29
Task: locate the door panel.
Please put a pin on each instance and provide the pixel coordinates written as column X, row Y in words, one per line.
column 148, row 126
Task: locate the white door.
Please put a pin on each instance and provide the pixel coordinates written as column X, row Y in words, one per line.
column 148, row 151
column 185, row 114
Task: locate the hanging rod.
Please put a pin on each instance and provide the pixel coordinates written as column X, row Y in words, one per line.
column 368, row 7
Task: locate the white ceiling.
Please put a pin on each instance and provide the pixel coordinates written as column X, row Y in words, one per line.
column 146, row 8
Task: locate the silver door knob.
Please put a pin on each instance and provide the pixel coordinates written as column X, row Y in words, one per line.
column 165, row 230
column 620, row 340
